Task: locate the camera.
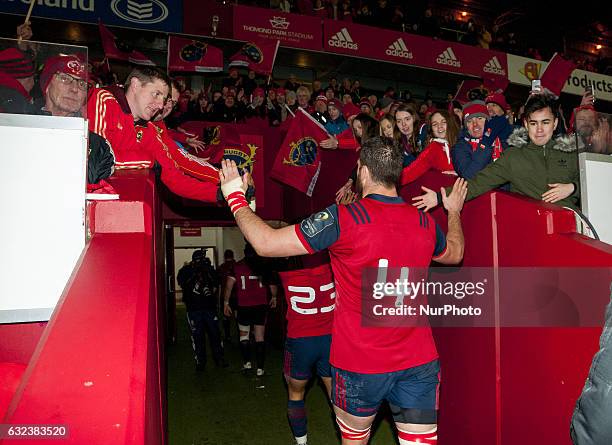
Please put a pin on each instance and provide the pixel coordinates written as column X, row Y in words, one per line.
column 536, row 86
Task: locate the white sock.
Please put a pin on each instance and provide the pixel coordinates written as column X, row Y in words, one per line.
column 302, row 440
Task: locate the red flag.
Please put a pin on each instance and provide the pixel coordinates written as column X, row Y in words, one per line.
column 258, row 56
column 218, row 137
column 496, row 84
column 193, row 56
column 298, row 161
column 556, row 73
column 470, row 90
column 119, row 50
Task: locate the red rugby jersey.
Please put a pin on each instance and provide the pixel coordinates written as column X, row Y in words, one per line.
column 250, row 290
column 311, row 298
column 358, row 235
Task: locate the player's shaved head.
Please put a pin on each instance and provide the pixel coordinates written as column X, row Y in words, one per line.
column 383, row 158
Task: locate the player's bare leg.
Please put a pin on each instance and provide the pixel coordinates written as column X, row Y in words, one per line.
column 260, row 348
column 245, row 347
column 413, row 433
column 354, row 430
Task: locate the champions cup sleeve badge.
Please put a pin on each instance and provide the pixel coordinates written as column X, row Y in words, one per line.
column 253, row 53
column 303, row 152
column 193, row 51
column 244, row 161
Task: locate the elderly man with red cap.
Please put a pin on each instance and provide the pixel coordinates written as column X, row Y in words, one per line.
column 63, row 82
column 481, row 141
column 16, row 81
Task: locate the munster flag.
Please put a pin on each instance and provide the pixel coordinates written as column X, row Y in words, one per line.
column 556, row 73
column 120, row 50
column 189, row 55
column 298, row 161
column 258, row 56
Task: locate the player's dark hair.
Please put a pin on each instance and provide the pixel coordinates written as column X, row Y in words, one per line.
column 146, row 75
column 383, row 157
column 539, row 102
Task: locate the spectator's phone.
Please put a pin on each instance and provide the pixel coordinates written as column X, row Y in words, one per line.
column 536, row 86
column 589, row 90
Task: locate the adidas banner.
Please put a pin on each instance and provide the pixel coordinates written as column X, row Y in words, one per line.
column 292, row 30
column 409, row 49
column 298, row 161
column 188, row 55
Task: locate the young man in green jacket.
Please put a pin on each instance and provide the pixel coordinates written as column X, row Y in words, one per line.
column 535, row 165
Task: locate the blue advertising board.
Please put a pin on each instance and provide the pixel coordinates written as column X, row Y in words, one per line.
column 156, row 15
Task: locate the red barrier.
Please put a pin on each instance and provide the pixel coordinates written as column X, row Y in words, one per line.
column 99, row 367
column 501, row 382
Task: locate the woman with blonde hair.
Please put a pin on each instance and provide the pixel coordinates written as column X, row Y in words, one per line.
column 442, row 135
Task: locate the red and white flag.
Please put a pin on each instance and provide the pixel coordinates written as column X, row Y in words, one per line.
column 258, row 56
column 298, row 161
column 556, row 73
column 119, row 50
column 189, row 55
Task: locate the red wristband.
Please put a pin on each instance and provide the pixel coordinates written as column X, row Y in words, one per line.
column 236, row 201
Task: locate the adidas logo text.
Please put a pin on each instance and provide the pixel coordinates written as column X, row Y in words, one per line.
column 494, row 67
column 448, row 58
column 342, row 39
column 399, row 49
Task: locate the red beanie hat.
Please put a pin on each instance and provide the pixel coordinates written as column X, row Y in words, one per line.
column 259, row 92
column 499, row 99
column 336, row 104
column 16, row 63
column 71, row 65
column 476, row 108
column 350, row 109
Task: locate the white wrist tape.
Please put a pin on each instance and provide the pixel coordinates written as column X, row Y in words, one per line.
column 235, row 185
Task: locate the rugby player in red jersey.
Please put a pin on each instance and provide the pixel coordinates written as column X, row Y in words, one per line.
column 252, row 298
column 369, row 364
column 311, row 299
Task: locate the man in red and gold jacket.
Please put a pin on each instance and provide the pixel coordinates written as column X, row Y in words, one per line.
column 123, row 117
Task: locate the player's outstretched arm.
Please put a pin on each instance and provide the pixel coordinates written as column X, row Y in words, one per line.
column 266, row 241
column 453, row 203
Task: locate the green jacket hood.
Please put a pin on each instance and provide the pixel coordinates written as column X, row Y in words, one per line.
column 519, row 138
